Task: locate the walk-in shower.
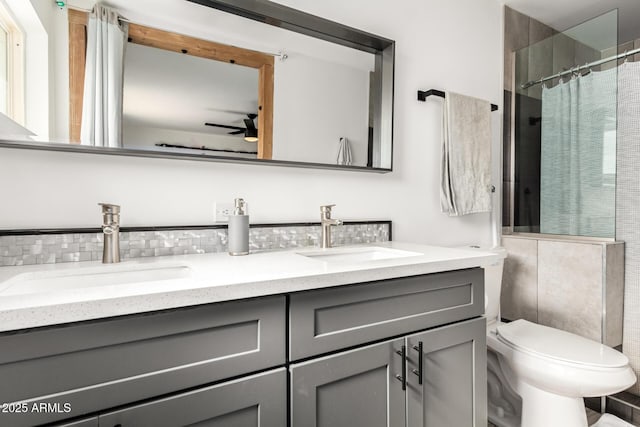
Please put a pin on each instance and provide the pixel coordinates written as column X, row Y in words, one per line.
column 562, row 151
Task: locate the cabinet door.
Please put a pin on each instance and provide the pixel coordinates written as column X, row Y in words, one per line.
column 454, row 376
column 255, row 401
column 356, row 388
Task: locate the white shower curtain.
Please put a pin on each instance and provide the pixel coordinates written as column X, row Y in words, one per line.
column 102, row 99
column 577, row 177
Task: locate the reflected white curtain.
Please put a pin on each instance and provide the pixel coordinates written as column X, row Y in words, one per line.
column 102, row 99
column 577, row 178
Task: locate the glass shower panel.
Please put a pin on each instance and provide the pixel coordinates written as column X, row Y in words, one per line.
column 565, row 133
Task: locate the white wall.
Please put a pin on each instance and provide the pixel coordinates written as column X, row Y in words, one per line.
column 317, row 102
column 138, row 135
column 440, row 44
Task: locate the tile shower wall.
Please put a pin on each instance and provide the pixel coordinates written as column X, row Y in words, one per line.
column 628, row 214
column 520, row 31
column 73, row 247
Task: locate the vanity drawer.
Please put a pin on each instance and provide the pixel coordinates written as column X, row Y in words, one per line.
column 254, row 401
column 331, row 319
column 102, row 364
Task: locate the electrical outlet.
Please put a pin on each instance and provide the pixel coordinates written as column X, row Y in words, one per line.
column 222, row 210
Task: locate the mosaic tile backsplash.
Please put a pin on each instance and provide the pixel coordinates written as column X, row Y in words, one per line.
column 56, row 248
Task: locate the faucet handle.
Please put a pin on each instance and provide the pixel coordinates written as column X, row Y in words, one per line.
column 108, row 208
column 110, row 216
column 326, row 208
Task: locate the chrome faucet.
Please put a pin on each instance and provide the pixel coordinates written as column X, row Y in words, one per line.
column 326, row 222
column 111, row 231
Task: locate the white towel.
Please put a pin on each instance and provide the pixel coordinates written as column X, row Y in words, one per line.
column 466, row 156
column 344, row 152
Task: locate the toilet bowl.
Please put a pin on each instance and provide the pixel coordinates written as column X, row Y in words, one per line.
column 538, row 375
column 552, row 370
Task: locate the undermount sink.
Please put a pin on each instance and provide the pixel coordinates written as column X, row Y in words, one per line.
column 48, row 281
column 357, row 255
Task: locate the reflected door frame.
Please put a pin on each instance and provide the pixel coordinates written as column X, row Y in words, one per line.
column 151, row 37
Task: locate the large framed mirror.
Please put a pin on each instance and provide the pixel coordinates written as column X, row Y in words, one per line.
column 220, row 80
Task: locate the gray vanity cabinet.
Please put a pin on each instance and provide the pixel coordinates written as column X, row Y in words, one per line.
column 255, row 401
column 226, row 364
column 356, row 388
column 454, row 376
column 442, row 381
column 363, row 387
column 97, row 365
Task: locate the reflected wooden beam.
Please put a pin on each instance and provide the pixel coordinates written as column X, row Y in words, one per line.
column 77, row 59
column 152, row 37
column 174, row 42
column 265, row 112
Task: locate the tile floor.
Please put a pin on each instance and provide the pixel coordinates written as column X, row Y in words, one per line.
column 626, row 406
column 592, row 418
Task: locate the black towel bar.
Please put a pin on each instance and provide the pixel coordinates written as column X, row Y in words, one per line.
column 423, row 94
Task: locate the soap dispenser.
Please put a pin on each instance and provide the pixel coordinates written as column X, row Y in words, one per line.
column 239, row 229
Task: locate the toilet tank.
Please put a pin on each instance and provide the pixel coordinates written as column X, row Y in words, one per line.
column 493, row 283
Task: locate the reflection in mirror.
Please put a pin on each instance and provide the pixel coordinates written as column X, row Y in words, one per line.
column 237, row 89
column 203, row 103
column 171, row 88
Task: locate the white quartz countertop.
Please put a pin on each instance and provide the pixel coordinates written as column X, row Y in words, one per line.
column 76, row 292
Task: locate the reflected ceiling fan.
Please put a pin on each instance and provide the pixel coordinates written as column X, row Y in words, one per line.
column 250, row 131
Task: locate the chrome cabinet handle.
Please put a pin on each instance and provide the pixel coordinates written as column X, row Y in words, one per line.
column 403, row 378
column 418, row 372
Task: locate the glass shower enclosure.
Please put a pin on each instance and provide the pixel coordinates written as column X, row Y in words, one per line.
column 563, row 147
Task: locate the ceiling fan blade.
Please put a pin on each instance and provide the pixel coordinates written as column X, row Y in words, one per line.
column 236, row 132
column 249, row 124
column 224, row 126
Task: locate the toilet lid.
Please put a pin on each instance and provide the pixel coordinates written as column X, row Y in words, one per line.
column 560, row 345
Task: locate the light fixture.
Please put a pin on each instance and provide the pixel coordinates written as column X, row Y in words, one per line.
column 250, row 133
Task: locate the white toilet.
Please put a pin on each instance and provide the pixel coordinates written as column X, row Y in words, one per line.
column 539, row 375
